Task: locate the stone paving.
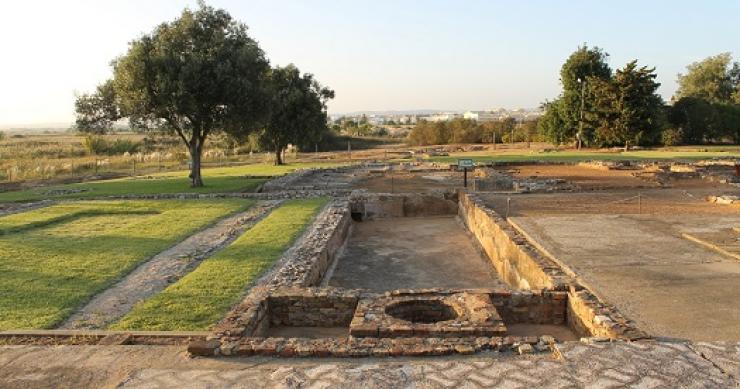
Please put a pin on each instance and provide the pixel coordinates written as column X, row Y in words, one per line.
column 575, row 364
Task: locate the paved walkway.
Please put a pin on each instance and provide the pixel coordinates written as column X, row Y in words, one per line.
column 647, row 364
column 669, row 285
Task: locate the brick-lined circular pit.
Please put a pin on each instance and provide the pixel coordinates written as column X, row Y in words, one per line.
column 421, row 311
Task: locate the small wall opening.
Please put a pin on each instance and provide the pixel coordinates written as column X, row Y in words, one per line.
column 422, row 311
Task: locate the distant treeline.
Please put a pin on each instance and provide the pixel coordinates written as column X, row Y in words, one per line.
column 470, row 131
column 599, row 107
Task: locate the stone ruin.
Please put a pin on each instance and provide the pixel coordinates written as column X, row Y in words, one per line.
column 289, row 314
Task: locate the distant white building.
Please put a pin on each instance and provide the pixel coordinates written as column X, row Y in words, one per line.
column 376, row 119
column 442, row 117
column 407, row 119
column 480, row 116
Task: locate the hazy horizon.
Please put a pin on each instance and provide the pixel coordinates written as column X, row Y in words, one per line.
column 379, row 56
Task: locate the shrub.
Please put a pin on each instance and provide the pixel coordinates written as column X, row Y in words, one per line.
column 94, row 144
column 672, row 137
column 98, row 145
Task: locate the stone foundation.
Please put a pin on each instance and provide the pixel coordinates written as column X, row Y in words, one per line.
column 439, row 314
column 517, row 262
column 409, row 322
column 365, row 206
column 532, row 307
column 589, row 316
column 308, row 262
column 475, row 324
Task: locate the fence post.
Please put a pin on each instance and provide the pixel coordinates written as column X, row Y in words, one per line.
column 639, row 203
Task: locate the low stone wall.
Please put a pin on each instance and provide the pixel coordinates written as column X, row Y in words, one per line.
column 531, row 307
column 370, row 347
column 303, row 265
column 478, row 327
column 309, row 260
column 368, row 206
column 288, row 194
column 311, row 307
column 518, row 263
column 305, row 179
column 427, row 313
column 588, row 316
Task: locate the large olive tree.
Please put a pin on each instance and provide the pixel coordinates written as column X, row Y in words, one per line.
column 195, row 76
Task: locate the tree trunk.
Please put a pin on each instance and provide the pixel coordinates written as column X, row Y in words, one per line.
column 196, row 149
column 278, row 156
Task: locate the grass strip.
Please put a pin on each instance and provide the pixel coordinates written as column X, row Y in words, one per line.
column 205, row 295
column 234, row 179
column 50, row 270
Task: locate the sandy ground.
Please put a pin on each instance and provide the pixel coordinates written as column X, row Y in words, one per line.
column 671, row 286
column 163, row 269
column 585, row 178
column 612, row 202
column 404, row 253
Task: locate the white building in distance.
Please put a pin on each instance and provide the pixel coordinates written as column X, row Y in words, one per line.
column 442, row 117
column 480, row 116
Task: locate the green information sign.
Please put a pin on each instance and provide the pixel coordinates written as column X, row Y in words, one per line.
column 464, row 163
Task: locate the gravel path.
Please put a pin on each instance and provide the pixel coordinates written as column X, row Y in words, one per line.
column 11, row 208
column 163, row 269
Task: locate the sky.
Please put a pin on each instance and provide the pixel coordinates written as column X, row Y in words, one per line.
column 376, row 54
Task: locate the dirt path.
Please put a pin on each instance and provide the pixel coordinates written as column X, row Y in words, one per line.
column 11, row 208
column 164, row 269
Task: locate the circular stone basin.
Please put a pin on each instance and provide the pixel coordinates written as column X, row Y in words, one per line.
column 421, row 311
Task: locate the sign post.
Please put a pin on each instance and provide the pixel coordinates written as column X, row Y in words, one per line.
column 465, row 164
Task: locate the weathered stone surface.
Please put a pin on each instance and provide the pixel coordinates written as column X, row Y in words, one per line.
column 432, row 313
column 638, row 364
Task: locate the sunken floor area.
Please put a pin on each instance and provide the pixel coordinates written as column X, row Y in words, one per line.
column 412, row 253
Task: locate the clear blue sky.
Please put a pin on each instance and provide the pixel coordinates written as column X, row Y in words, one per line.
column 377, row 55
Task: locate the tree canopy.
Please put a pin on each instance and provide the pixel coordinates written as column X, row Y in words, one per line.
column 297, row 110
column 195, row 76
column 587, row 64
column 706, row 106
column 714, row 79
column 96, row 112
column 627, row 108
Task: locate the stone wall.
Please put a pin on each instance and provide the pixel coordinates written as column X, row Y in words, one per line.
column 309, row 179
column 307, row 261
column 311, row 307
column 288, row 194
column 531, row 307
column 368, row 206
column 518, row 263
column 589, row 316
column 303, row 265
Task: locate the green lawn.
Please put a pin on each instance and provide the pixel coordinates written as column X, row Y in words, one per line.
column 53, row 260
column 575, row 156
column 244, row 178
column 204, row 296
